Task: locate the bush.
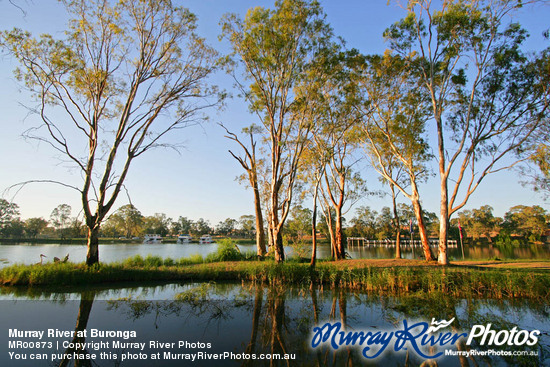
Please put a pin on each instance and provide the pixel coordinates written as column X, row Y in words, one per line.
column 227, row 251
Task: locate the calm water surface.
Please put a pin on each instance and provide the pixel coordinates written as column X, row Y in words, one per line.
column 250, row 319
column 27, row 253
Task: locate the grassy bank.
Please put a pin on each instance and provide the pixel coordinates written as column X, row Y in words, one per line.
column 408, row 277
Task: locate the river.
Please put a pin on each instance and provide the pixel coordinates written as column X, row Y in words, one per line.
column 153, row 325
column 27, row 253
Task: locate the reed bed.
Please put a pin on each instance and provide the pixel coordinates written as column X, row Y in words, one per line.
column 454, row 281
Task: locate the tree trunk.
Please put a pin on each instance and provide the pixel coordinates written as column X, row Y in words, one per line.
column 92, row 257
column 332, row 242
column 314, row 232
column 398, row 244
column 444, row 204
column 422, row 230
column 396, row 224
column 339, row 236
column 443, row 223
column 328, row 220
column 260, row 234
column 269, row 238
column 278, row 245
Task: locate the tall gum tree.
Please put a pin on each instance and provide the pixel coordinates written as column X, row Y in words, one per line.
column 274, row 47
column 331, row 91
column 393, row 130
column 250, row 162
column 126, row 74
column 487, row 97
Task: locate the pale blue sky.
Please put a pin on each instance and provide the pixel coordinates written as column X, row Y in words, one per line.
column 200, row 182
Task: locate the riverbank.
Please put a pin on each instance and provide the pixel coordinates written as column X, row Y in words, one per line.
column 384, row 276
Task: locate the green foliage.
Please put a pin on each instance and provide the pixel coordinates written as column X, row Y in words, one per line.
column 8, row 211
column 227, row 227
column 526, row 221
column 35, row 226
column 478, row 223
column 275, row 48
column 200, row 227
column 247, row 225
column 370, row 224
column 227, row 251
column 504, row 240
column 158, row 223
column 486, row 95
column 193, row 259
column 299, row 224
column 126, row 221
column 118, row 66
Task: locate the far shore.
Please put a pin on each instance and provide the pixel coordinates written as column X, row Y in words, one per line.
column 106, row 240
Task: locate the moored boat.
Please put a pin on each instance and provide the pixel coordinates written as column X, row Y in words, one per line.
column 184, row 239
column 152, row 238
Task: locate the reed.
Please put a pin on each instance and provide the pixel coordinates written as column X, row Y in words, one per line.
column 455, row 281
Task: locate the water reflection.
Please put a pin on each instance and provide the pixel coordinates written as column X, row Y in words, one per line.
column 255, row 319
column 84, row 309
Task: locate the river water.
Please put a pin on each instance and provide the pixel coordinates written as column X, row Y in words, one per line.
column 27, row 253
column 239, row 322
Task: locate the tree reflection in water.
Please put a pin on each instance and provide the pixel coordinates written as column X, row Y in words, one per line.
column 270, row 319
column 84, row 309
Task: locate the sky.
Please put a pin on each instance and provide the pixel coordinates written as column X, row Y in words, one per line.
column 200, row 180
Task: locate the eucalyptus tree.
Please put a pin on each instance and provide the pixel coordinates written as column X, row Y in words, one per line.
column 479, row 222
column 487, row 97
column 537, row 170
column 335, row 139
column 274, row 47
column 364, row 222
column 60, row 218
column 157, row 223
column 393, row 133
column 247, row 225
column 226, row 227
column 181, row 225
column 35, row 226
column 250, row 163
column 529, row 222
column 397, row 173
column 311, row 174
column 125, row 74
column 127, row 220
column 8, row 211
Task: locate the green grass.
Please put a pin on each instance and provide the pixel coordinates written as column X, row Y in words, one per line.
column 454, row 281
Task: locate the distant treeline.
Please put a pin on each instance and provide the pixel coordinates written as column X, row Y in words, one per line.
column 519, row 223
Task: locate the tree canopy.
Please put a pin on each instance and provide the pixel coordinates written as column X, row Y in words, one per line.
column 124, row 75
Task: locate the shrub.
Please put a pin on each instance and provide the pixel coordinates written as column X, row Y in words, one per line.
column 227, row 251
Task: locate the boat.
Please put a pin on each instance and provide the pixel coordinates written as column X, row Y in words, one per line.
column 205, row 239
column 184, row 238
column 152, row 238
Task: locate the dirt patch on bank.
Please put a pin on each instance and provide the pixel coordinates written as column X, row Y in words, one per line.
column 506, row 264
column 388, row 263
